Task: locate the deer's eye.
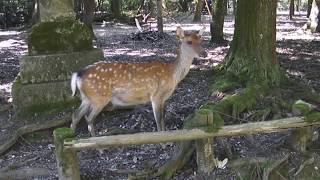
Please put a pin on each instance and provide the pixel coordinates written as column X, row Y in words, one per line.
column 189, row 42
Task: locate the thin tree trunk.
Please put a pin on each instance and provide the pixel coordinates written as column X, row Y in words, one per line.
column 116, row 8
column 252, row 56
column 291, row 9
column 309, row 7
column 89, row 7
column 315, row 16
column 298, row 6
column 35, row 12
column 198, row 12
column 218, row 14
column 159, row 16
column 234, row 4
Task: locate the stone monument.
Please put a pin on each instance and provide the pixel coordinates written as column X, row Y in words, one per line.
column 57, row 46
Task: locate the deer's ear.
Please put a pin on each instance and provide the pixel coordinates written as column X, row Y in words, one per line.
column 180, row 33
column 201, row 31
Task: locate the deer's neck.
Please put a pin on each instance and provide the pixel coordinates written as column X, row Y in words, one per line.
column 183, row 62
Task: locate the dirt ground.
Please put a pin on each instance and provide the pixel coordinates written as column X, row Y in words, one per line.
column 33, row 158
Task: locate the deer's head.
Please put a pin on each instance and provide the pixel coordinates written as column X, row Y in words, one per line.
column 191, row 42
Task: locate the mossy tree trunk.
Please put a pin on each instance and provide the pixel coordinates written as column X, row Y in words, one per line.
column 159, row 16
column 252, row 56
column 216, row 26
column 198, row 12
column 315, row 16
column 309, row 7
column 116, row 8
column 291, row 9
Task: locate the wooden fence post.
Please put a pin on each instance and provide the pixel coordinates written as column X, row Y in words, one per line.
column 68, row 167
column 205, row 157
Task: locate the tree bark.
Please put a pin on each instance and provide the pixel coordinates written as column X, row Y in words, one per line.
column 218, row 14
column 252, row 56
column 159, row 16
column 198, row 12
column 315, row 16
column 89, row 7
column 309, row 7
column 116, row 8
column 291, row 9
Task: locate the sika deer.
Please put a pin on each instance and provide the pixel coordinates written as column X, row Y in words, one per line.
column 127, row 84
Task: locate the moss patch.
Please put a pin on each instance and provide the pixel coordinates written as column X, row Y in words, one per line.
column 307, row 110
column 63, row 133
column 64, row 35
column 44, row 110
column 224, row 83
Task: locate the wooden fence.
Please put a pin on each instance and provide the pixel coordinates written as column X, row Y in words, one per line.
column 66, row 145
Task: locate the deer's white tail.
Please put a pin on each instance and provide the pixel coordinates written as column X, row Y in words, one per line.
column 74, row 83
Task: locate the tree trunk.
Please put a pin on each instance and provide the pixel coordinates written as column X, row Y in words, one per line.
column 216, row 26
column 309, row 7
column 252, row 55
column 315, row 16
column 159, row 16
column 35, row 12
column 298, row 6
column 89, row 7
column 291, row 9
column 116, row 8
column 234, row 4
column 99, row 5
column 198, row 12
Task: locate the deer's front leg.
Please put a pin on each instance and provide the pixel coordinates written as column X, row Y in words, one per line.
column 158, row 111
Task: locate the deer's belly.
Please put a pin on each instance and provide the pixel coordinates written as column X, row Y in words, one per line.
column 127, row 100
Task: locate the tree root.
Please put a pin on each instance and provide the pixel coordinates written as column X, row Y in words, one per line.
column 183, row 154
column 29, row 129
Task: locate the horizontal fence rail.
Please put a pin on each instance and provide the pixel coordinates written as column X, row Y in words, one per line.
column 186, row 135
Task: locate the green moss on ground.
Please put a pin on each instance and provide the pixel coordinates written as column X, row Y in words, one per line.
column 63, row 35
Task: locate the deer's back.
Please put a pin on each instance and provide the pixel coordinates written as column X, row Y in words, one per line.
column 127, row 83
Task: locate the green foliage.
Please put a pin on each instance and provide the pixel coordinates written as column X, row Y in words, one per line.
column 64, row 35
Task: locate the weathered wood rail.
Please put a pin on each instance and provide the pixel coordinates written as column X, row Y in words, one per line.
column 68, row 166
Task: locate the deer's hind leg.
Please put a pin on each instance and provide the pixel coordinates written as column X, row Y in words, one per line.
column 96, row 107
column 80, row 112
